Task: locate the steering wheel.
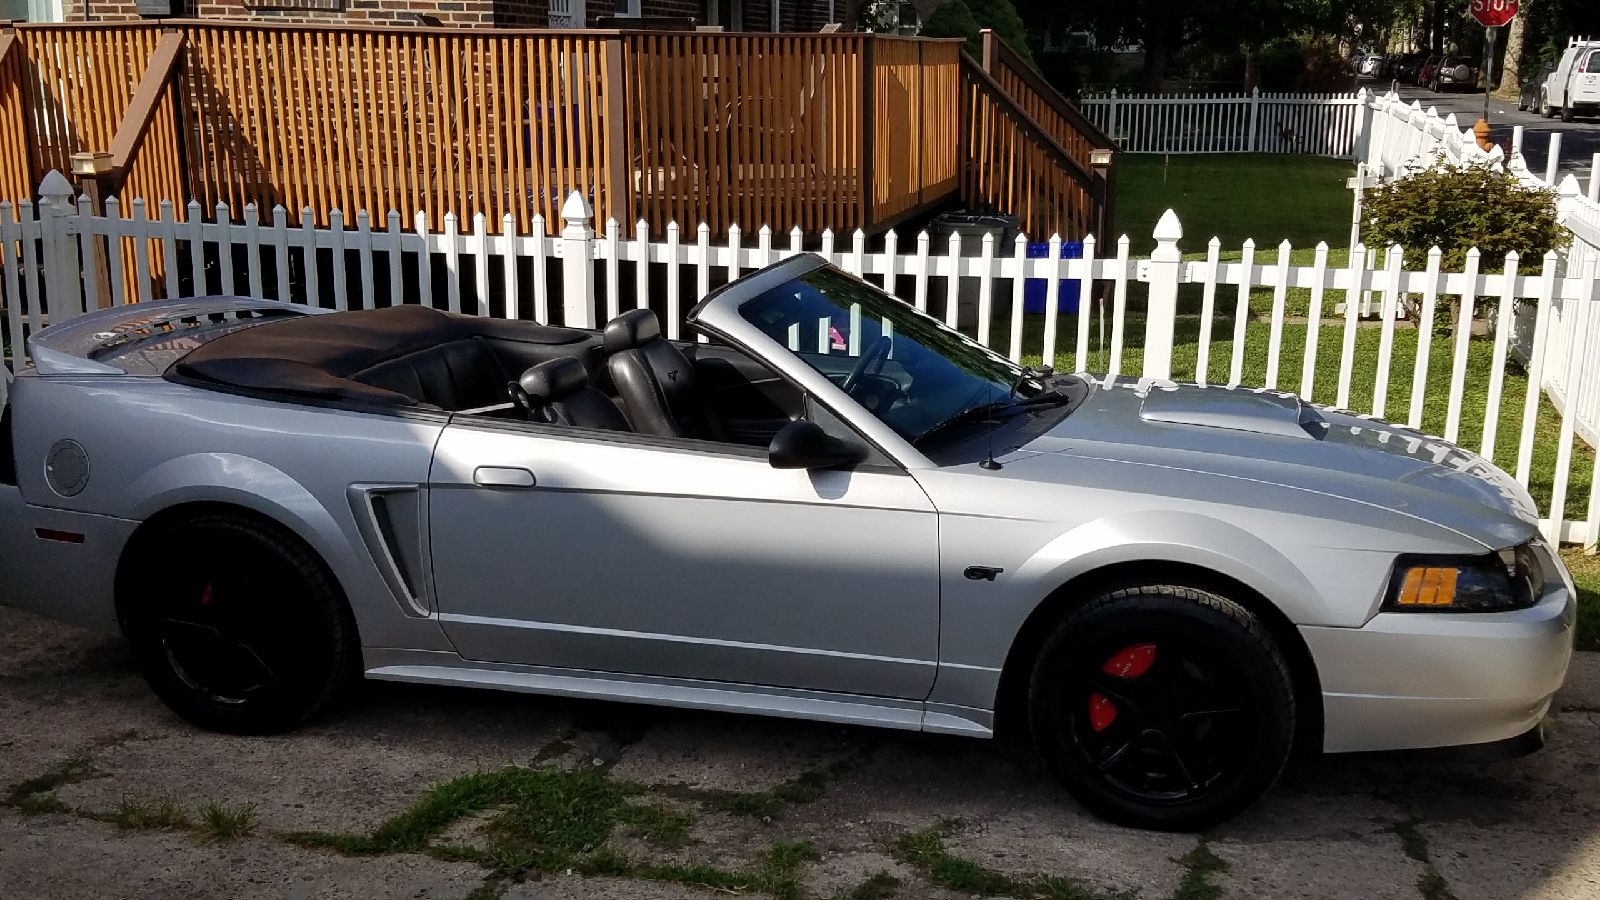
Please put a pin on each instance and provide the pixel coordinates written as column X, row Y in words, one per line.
column 876, row 353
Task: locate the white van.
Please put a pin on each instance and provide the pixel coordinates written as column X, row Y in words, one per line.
column 1574, row 87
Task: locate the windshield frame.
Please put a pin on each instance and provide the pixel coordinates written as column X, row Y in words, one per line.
column 719, row 315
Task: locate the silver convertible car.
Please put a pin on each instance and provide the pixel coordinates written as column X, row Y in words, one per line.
column 836, row 508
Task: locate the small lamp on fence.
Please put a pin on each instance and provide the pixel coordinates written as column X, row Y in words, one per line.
column 91, row 164
column 1100, row 158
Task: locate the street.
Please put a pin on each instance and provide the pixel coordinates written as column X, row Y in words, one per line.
column 1579, row 142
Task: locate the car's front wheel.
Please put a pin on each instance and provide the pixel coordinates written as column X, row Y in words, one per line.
column 237, row 625
column 1162, row 706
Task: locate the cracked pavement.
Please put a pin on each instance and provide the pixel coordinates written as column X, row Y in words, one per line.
column 984, row 818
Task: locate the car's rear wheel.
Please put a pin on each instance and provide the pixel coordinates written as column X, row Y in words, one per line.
column 238, row 626
column 1163, row 707
column 1568, row 113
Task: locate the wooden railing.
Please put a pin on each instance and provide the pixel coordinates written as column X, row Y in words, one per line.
column 819, row 131
column 1010, row 163
column 915, row 115
column 747, row 129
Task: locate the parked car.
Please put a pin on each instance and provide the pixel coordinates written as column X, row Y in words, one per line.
column 1530, row 93
column 837, row 508
column 1370, row 64
column 1407, row 67
column 1573, row 86
column 1426, row 69
column 1453, row 72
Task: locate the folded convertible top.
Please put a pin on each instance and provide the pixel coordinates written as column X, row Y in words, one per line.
column 316, row 355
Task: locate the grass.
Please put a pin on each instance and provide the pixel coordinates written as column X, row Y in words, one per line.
column 38, row 794
column 220, row 822
column 1199, row 865
column 878, row 886
column 543, row 819
column 925, row 851
column 157, row 814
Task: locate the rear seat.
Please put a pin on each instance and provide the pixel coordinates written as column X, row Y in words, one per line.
column 456, row 375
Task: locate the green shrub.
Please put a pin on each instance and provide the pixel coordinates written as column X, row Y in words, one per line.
column 966, row 18
column 1456, row 209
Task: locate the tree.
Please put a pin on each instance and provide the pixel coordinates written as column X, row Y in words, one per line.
column 1511, row 67
column 967, row 18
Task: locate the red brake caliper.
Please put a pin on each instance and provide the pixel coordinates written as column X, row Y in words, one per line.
column 1129, row 662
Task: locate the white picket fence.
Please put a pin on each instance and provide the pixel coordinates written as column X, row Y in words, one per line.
column 579, row 278
column 1406, row 138
column 1320, row 124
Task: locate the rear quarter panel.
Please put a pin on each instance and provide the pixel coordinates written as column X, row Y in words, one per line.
column 153, row 444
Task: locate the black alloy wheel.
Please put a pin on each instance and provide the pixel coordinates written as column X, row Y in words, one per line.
column 1163, row 707
column 244, row 631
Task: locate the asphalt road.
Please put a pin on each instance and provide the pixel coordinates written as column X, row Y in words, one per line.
column 1580, row 140
column 103, row 793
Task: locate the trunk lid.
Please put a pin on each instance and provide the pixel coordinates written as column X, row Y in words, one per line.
column 146, row 338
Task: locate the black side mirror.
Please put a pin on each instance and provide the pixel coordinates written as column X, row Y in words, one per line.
column 804, row 445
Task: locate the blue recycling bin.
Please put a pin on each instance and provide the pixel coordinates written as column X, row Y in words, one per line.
column 1036, row 290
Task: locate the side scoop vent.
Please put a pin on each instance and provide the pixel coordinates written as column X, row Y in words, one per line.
column 392, row 522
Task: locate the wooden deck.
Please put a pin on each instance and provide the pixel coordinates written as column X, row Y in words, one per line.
column 815, row 131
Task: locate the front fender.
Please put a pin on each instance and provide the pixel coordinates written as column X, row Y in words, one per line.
column 1176, row 537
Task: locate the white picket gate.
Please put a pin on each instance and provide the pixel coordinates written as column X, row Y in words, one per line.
column 1320, row 124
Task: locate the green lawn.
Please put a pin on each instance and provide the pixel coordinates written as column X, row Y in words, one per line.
column 1304, row 200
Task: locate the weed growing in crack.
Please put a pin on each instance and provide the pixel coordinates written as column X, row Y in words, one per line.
column 925, row 851
column 148, row 815
column 219, row 822
column 38, row 794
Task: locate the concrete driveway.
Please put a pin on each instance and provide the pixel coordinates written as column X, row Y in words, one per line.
column 406, row 792
column 1580, row 139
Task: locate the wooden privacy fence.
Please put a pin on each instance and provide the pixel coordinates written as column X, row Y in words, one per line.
column 823, row 130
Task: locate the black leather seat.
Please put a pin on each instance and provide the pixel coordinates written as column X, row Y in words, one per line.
column 558, row 391
column 459, row 374
column 656, row 381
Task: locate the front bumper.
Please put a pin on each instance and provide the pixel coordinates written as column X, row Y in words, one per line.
column 1409, row 681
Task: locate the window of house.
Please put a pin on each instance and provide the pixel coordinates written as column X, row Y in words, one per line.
column 627, row 9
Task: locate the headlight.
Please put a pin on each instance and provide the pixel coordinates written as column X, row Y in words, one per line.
column 1495, row 582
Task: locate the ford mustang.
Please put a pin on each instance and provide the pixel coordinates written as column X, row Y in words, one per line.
column 834, row 508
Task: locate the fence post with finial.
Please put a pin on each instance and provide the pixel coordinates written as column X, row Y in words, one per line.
column 577, row 263
column 63, row 270
column 1166, row 269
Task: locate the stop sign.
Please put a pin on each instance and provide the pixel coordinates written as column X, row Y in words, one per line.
column 1494, row 13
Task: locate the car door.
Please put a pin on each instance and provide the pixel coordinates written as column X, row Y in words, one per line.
column 617, row 553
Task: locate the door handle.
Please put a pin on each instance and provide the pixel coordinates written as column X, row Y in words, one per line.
column 503, row 477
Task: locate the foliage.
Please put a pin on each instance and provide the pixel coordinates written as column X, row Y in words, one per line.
column 966, row 18
column 1456, row 209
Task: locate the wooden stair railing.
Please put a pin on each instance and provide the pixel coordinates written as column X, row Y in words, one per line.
column 1054, row 113
column 1011, row 163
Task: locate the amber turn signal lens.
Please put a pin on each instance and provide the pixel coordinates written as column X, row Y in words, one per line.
column 1428, row 586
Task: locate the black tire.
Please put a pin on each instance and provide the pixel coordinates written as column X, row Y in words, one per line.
column 238, row 626
column 1568, row 113
column 1205, row 729
column 1545, row 109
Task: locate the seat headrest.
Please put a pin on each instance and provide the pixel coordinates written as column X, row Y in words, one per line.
column 629, row 330
column 555, row 379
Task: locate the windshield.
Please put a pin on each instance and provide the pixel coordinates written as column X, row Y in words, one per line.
column 905, row 367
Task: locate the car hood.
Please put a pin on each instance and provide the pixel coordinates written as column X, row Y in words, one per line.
column 1274, row 438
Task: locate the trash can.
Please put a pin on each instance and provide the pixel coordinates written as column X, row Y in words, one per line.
column 972, row 227
column 1035, row 291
